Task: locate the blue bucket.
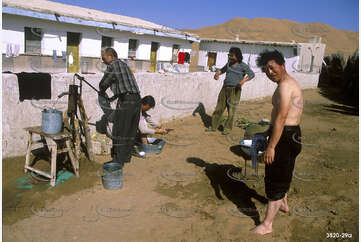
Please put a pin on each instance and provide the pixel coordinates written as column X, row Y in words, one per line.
column 52, row 121
column 112, row 178
column 155, row 146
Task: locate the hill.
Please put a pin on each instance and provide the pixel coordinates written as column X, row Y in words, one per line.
column 270, row 29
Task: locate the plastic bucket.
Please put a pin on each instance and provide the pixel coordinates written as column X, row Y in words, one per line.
column 112, row 183
column 112, row 178
column 155, row 146
column 52, row 121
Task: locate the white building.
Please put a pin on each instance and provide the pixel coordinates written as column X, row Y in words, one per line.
column 39, row 35
column 300, row 57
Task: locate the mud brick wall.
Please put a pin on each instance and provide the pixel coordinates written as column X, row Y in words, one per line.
column 176, row 95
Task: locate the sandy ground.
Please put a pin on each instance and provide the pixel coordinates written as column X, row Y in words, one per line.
column 184, row 193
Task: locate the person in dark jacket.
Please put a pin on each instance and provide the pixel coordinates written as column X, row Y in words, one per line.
column 120, row 79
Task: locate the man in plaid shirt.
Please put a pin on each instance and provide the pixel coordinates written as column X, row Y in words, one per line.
column 119, row 78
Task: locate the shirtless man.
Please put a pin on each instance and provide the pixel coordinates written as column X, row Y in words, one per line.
column 282, row 149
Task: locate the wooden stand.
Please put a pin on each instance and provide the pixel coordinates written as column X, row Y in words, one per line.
column 85, row 120
column 56, row 140
column 76, row 127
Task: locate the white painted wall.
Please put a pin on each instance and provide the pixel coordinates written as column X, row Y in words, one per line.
column 189, row 88
column 306, row 52
column 250, row 53
column 54, row 35
column 55, row 39
column 13, row 36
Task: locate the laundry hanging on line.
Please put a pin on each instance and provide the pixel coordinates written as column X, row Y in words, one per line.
column 12, row 50
column 181, row 57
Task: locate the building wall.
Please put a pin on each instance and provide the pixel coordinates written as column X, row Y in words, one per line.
column 54, row 38
column 176, row 95
column 297, row 59
column 307, row 50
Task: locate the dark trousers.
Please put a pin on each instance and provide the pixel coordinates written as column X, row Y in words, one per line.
column 278, row 175
column 126, row 121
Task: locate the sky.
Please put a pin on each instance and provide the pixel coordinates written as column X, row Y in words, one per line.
column 182, row 14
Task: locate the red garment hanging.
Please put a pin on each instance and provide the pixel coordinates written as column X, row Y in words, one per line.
column 181, row 57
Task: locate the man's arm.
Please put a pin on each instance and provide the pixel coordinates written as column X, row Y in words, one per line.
column 220, row 72
column 107, row 80
column 143, row 127
column 279, row 123
column 249, row 75
column 243, row 81
column 152, row 122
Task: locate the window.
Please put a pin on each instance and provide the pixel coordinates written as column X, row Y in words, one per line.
column 106, row 42
column 33, row 38
column 132, row 50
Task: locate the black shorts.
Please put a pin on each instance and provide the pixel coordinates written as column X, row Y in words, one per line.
column 278, row 175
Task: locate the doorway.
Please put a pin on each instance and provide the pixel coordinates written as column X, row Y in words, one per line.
column 153, row 56
column 72, row 51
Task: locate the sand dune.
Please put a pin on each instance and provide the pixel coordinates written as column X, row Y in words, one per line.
column 271, row 29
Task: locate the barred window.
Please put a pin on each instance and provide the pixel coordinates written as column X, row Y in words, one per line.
column 132, row 50
column 33, row 37
column 106, row 42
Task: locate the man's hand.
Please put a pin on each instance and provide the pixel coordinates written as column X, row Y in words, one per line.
column 240, row 84
column 161, row 131
column 269, row 155
column 216, row 76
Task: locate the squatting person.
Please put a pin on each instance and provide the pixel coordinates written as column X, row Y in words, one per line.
column 282, row 149
column 147, row 103
column 122, row 83
column 237, row 73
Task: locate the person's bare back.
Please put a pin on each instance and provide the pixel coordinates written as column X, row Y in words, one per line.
column 292, row 94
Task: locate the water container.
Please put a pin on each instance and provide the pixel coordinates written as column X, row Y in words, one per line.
column 112, row 178
column 155, row 146
column 52, row 121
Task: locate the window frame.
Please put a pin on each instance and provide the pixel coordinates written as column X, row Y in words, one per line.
column 134, row 52
column 38, row 31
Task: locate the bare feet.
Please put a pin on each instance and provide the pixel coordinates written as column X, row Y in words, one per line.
column 262, row 229
column 284, row 205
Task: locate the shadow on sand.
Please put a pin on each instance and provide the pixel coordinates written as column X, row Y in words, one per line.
column 206, row 119
column 235, row 191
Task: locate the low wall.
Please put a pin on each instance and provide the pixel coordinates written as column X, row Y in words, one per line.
column 176, row 95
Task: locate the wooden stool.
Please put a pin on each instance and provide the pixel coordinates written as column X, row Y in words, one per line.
column 55, row 139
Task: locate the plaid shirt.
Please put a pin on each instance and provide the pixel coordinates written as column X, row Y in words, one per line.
column 119, row 78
